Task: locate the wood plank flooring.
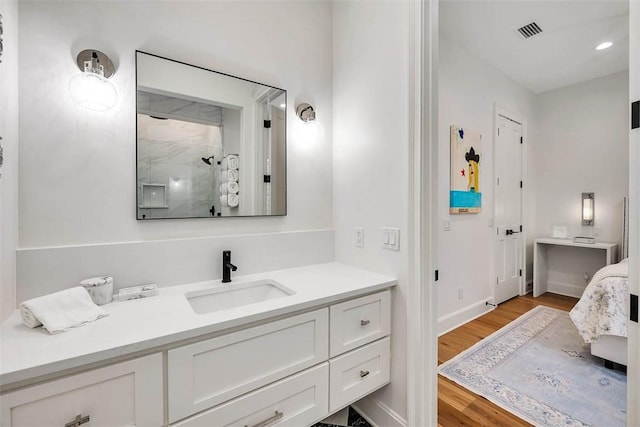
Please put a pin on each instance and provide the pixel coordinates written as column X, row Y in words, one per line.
column 457, row 406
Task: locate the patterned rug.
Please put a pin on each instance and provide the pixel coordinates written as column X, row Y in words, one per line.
column 539, row 368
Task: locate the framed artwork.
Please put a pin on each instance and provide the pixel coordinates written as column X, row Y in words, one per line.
column 466, row 152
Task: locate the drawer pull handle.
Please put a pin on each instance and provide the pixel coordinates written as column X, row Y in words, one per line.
column 78, row 421
column 268, row 421
column 365, row 322
column 364, row 374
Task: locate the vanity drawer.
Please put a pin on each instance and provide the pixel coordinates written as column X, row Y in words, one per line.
column 358, row 373
column 360, row 321
column 299, row 400
column 213, row 371
column 125, row 394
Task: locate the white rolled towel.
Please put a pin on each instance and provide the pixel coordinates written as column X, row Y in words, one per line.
column 224, row 189
column 233, row 200
column 61, row 311
column 232, row 175
column 224, row 202
column 232, row 187
column 232, row 161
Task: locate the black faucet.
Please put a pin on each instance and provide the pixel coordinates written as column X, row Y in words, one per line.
column 227, row 267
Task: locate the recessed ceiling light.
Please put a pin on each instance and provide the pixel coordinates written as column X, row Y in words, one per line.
column 605, row 45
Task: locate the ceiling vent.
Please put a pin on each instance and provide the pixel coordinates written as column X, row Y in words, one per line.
column 529, row 30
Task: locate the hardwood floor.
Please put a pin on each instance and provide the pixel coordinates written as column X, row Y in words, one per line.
column 457, row 406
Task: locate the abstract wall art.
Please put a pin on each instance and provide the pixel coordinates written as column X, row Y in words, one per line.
column 466, row 153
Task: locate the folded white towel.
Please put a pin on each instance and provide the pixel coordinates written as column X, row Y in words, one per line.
column 233, row 200
column 224, row 201
column 232, row 175
column 61, row 311
column 232, row 161
column 232, row 187
column 224, row 189
column 223, row 164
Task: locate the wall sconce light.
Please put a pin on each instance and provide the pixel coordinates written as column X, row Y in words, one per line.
column 305, row 112
column 588, row 207
column 91, row 89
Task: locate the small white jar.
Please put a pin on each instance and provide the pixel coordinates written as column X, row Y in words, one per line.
column 100, row 289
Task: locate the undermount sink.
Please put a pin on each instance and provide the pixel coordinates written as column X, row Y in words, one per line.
column 235, row 295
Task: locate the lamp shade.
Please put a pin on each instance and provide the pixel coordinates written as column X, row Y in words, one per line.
column 587, row 208
column 92, row 91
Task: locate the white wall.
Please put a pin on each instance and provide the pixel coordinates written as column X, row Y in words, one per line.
column 9, row 172
column 371, row 140
column 77, row 167
column 582, row 145
column 469, row 91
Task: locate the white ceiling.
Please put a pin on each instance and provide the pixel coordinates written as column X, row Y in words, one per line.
column 562, row 55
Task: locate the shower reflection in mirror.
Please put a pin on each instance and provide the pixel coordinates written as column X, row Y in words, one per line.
column 208, row 144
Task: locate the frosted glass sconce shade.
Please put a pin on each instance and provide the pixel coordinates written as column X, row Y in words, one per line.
column 305, row 112
column 91, row 89
column 588, row 207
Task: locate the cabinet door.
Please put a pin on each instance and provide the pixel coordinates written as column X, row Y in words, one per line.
column 298, row 400
column 359, row 372
column 213, row 371
column 125, row 394
column 360, row 321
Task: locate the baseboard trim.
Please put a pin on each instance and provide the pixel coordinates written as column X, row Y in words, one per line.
column 565, row 289
column 528, row 287
column 378, row 414
column 458, row 318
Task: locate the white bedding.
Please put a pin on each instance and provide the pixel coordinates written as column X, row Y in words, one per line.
column 602, row 309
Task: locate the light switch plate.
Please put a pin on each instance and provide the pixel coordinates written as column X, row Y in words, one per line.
column 391, row 238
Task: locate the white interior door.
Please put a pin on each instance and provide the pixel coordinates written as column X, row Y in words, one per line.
column 508, row 209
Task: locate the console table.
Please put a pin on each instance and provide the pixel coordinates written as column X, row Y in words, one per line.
column 571, row 282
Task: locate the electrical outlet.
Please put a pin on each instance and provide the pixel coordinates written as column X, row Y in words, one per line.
column 460, row 292
column 358, row 237
column 596, row 231
column 446, row 225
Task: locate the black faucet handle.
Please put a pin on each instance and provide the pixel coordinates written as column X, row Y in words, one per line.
column 227, row 267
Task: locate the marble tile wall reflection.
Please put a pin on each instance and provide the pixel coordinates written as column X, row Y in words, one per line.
column 170, row 152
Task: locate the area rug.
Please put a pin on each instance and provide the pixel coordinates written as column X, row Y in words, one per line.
column 539, row 368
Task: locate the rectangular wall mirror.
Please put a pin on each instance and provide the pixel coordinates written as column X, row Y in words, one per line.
column 208, row 144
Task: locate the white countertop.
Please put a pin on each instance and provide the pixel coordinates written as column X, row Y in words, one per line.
column 570, row 242
column 138, row 325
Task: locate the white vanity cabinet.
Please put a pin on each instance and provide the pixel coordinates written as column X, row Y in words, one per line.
column 283, row 372
column 290, row 370
column 124, row 394
column 360, row 321
column 213, row 371
column 360, row 348
column 295, row 401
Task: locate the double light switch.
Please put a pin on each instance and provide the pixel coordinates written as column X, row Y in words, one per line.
column 391, row 238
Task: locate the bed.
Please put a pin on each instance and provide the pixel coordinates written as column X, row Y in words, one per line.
column 601, row 313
